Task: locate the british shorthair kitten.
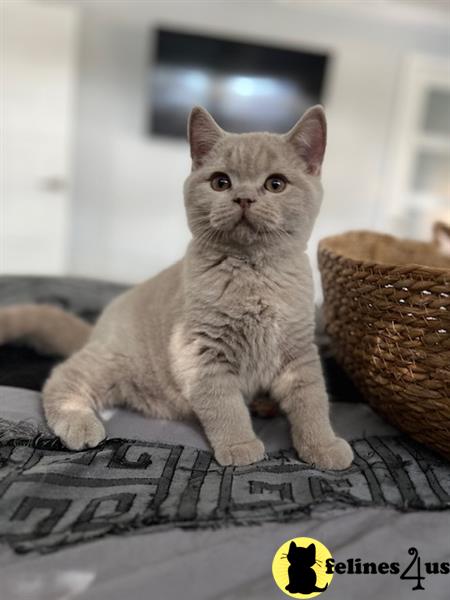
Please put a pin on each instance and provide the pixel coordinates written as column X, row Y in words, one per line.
column 234, row 318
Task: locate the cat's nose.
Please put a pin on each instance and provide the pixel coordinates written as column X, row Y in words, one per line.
column 244, row 203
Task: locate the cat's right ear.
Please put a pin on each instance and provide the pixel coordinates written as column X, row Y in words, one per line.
column 293, row 546
column 203, row 134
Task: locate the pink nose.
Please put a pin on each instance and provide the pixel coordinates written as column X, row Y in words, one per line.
column 244, row 203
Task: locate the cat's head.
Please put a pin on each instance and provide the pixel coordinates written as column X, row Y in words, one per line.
column 300, row 555
column 254, row 189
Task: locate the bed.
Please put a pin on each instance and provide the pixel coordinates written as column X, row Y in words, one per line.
column 149, row 514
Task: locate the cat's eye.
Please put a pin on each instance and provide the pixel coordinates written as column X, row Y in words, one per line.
column 275, row 184
column 220, row 182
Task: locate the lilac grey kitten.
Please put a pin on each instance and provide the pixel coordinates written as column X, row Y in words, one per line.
column 234, row 318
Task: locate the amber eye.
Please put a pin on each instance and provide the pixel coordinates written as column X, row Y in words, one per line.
column 275, row 184
column 220, row 182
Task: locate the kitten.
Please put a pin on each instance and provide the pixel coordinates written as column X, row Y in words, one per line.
column 232, row 319
column 302, row 577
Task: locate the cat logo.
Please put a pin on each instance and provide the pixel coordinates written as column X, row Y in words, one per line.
column 299, row 568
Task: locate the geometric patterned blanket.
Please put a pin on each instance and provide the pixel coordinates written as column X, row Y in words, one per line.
column 51, row 497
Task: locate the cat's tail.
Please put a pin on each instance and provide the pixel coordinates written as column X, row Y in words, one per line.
column 46, row 328
column 318, row 589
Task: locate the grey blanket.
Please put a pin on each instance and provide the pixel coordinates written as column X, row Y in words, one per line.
column 193, row 554
column 51, row 497
column 214, row 561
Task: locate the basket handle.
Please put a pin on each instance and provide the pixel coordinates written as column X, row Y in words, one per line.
column 441, row 237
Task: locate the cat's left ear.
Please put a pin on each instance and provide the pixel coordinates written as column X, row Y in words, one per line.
column 203, row 134
column 312, row 549
column 309, row 137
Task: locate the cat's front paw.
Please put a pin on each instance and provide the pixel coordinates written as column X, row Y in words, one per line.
column 336, row 455
column 245, row 453
column 79, row 429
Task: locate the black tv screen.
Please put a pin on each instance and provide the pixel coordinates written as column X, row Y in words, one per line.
column 246, row 87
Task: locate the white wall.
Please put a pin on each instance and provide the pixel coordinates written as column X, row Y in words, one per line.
column 128, row 218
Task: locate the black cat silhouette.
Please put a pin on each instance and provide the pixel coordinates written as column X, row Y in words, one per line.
column 302, row 577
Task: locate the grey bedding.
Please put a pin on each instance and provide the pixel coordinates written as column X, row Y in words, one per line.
column 225, row 561
column 200, row 545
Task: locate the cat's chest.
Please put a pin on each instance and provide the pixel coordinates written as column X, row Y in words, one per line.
column 252, row 314
column 248, row 296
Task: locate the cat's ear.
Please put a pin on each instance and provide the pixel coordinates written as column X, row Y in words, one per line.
column 312, row 550
column 309, row 137
column 203, row 134
column 293, row 546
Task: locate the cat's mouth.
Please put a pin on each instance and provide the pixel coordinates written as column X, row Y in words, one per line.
column 244, row 222
column 237, row 228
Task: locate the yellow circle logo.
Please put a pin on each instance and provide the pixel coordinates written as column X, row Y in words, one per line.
column 299, row 568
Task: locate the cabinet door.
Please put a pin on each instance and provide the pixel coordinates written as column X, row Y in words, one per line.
column 420, row 192
column 38, row 75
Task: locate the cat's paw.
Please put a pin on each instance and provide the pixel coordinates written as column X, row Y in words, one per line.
column 335, row 456
column 79, row 429
column 245, row 453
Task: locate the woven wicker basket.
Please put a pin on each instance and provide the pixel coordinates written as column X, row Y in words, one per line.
column 387, row 311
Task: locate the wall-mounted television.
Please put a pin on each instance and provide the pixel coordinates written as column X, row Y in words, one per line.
column 245, row 86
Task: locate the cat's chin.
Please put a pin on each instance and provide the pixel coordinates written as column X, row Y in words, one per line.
column 244, row 225
column 244, row 233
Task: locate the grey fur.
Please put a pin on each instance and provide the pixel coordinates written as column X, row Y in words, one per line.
column 233, row 318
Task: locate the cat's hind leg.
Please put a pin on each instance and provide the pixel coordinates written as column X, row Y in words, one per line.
column 73, row 394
